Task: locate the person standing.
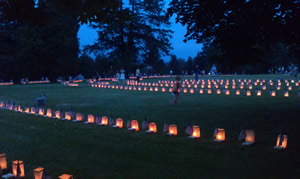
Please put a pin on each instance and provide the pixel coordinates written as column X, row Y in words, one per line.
column 118, row 76
column 214, row 69
column 122, row 76
column 176, row 89
column 197, row 71
column 138, row 75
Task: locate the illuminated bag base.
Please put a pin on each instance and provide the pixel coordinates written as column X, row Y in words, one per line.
column 150, row 132
column 217, row 140
column 193, row 137
column 76, row 121
column 278, row 147
column 131, row 129
column 247, row 143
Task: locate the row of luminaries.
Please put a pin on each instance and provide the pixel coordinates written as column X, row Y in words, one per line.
column 6, row 83
column 18, row 170
column 248, row 85
column 242, row 84
column 209, row 86
column 209, row 81
column 247, row 136
column 192, row 91
column 67, row 83
column 216, row 83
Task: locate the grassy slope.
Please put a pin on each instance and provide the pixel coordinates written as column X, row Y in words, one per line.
column 90, row 151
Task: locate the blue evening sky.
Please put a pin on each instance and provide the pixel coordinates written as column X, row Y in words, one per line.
column 88, row 35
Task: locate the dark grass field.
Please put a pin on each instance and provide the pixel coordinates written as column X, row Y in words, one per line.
column 91, row 151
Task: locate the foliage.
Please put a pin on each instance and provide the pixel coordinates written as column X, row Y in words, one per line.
column 43, row 41
column 87, row 67
column 103, row 66
column 238, row 28
column 136, row 34
column 39, row 38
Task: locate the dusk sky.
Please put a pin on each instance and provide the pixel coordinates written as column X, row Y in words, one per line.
column 183, row 50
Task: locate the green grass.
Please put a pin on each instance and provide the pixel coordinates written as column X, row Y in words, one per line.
column 90, row 151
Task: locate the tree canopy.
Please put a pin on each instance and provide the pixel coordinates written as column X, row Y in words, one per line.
column 38, row 38
column 43, row 41
column 137, row 34
column 244, row 30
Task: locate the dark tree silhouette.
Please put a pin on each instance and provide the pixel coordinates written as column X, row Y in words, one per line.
column 244, row 30
column 135, row 34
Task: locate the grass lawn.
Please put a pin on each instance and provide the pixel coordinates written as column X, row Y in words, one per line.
column 91, row 151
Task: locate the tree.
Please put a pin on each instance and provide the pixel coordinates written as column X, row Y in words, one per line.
column 189, row 66
column 87, row 67
column 51, row 49
column 102, row 65
column 237, row 28
column 39, row 38
column 7, row 44
column 13, row 14
column 136, row 34
column 88, row 11
column 201, row 59
column 174, row 65
column 159, row 67
column 43, row 42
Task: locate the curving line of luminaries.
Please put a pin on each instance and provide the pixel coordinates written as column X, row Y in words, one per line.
column 67, row 83
column 7, row 84
column 35, row 82
column 206, row 86
column 25, row 83
column 246, row 136
column 215, row 82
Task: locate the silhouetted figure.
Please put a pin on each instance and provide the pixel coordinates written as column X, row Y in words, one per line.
column 176, row 90
column 138, row 74
column 197, row 71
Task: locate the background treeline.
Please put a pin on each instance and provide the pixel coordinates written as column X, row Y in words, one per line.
column 37, row 42
column 249, row 36
column 39, row 38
